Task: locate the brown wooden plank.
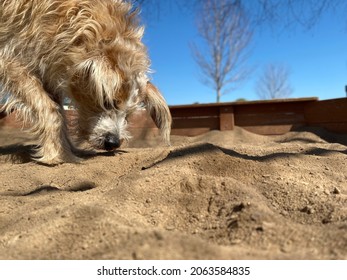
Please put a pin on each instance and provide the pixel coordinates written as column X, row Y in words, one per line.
column 269, row 119
column 187, row 112
column 226, row 118
column 212, row 123
column 270, row 108
column 327, row 111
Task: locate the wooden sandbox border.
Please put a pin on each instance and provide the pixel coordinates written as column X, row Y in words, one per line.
column 270, row 117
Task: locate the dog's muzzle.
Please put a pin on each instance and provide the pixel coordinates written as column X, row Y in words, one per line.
column 111, row 142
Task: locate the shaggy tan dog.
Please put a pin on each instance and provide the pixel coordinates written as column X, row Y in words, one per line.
column 90, row 51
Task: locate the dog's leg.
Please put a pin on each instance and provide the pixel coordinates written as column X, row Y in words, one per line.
column 35, row 105
column 79, row 152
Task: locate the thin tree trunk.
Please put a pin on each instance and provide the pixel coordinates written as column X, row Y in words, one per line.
column 218, row 95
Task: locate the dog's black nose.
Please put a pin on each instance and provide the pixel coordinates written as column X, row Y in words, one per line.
column 111, row 142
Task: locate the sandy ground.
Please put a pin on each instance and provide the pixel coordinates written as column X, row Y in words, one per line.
column 222, row 195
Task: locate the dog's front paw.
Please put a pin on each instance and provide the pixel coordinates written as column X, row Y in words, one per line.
column 58, row 159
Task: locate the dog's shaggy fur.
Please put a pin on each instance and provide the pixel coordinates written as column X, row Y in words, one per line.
column 90, row 51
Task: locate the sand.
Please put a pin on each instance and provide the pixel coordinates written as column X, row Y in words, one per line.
column 221, row 195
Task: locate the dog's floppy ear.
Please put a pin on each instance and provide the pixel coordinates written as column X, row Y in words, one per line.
column 158, row 110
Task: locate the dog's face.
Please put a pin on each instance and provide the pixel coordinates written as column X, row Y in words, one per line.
column 109, row 76
column 106, row 96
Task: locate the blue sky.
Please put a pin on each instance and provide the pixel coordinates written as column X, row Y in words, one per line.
column 317, row 58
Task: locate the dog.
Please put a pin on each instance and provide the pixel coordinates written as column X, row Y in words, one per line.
column 90, row 51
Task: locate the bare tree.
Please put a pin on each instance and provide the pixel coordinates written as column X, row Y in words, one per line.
column 225, row 30
column 274, row 82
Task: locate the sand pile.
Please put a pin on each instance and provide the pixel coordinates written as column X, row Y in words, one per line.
column 222, row 195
